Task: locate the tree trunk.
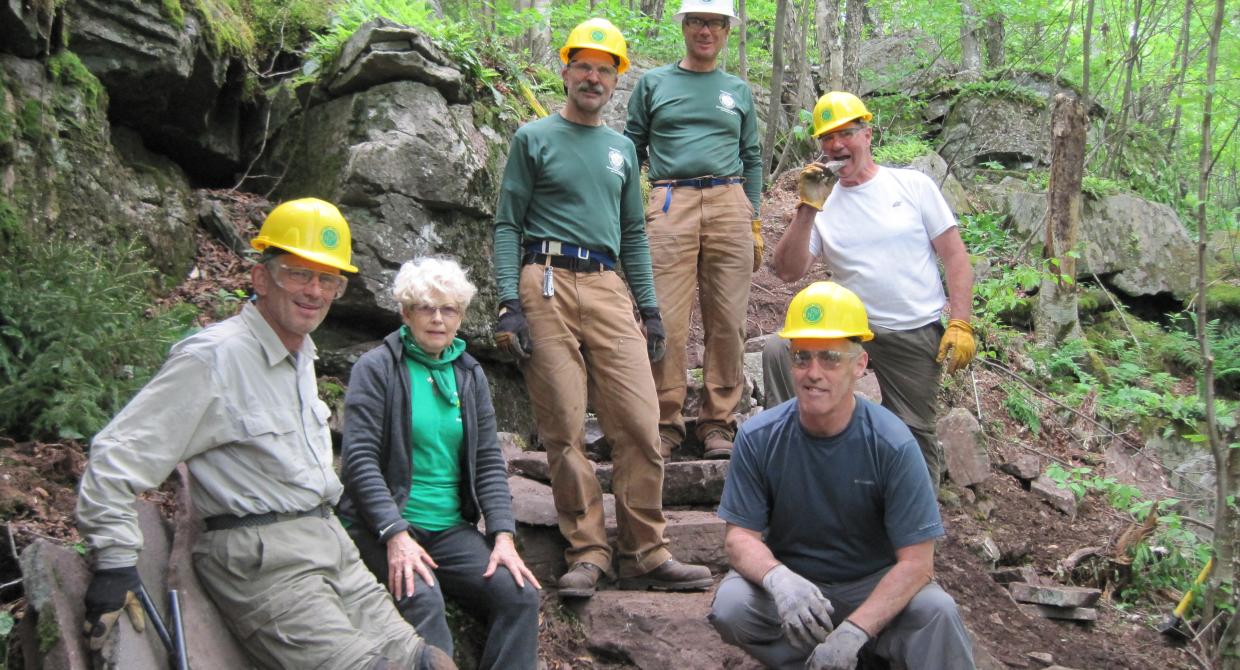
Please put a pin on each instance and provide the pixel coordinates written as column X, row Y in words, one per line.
column 742, row 53
column 802, row 90
column 1055, row 318
column 774, row 113
column 829, row 48
column 970, row 55
column 994, row 34
column 1182, row 55
column 869, row 18
column 1226, row 461
column 854, row 10
column 1130, row 64
column 1085, row 47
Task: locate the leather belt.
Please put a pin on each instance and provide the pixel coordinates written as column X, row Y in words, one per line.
column 228, row 521
column 564, row 262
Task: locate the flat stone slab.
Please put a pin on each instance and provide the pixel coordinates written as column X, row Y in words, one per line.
column 1062, row 613
column 659, row 631
column 964, row 448
column 531, row 465
column 1011, row 574
column 1055, row 596
column 1061, row 499
column 1025, row 467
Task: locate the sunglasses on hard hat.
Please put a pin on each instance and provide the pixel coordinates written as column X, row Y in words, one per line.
column 827, row 359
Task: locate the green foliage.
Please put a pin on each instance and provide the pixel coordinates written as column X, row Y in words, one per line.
column 1022, row 406
column 285, row 22
column 1002, row 88
column 174, row 12
column 12, row 232
column 78, row 336
column 1099, row 187
column 227, row 27
column 985, row 237
column 901, row 150
column 30, row 121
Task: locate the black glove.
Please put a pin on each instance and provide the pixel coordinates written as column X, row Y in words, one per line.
column 111, row 592
column 512, row 334
column 656, row 337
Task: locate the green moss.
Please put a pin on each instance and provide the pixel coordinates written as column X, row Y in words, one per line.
column 175, row 13
column 68, row 71
column 47, row 633
column 30, row 121
column 1000, row 89
column 227, row 28
column 12, row 233
column 1223, row 300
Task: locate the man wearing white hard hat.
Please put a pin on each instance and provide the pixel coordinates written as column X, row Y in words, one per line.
column 698, row 127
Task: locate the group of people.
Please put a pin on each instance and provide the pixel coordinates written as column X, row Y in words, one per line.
column 352, row 571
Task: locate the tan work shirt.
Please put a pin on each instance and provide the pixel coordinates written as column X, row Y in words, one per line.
column 239, row 409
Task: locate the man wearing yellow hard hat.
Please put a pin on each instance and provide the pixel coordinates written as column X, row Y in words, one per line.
column 237, row 403
column 831, row 518
column 570, row 207
column 881, row 231
column 698, row 127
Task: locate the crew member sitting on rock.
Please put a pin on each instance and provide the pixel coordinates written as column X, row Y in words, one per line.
column 238, row 404
column 831, row 517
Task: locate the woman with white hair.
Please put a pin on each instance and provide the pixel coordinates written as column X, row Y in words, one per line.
column 421, row 464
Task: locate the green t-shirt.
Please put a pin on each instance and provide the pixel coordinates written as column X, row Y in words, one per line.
column 571, row 183
column 695, row 124
column 434, row 494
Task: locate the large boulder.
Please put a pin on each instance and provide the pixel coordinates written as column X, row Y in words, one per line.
column 933, row 166
column 906, row 63
column 68, row 174
column 381, row 51
column 1010, row 129
column 1140, row 246
column 165, row 81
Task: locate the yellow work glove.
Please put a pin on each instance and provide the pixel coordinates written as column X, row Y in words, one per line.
column 758, row 245
column 959, row 339
column 814, row 185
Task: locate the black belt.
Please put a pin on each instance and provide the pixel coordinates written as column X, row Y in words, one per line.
column 227, row 521
column 699, row 182
column 564, row 262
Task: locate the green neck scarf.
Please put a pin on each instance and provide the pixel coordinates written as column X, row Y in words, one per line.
column 440, row 368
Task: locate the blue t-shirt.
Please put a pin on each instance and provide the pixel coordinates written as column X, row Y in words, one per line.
column 832, row 509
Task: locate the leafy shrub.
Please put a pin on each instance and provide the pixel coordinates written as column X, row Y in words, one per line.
column 901, row 150
column 78, row 337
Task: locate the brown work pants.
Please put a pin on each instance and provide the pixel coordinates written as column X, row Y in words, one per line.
column 586, row 333
column 703, row 244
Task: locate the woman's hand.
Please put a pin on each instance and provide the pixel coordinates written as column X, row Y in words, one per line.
column 405, row 557
column 505, row 554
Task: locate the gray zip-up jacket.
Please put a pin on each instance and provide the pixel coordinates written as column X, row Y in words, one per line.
column 375, row 459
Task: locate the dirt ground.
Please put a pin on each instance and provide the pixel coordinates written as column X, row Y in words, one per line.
column 37, row 484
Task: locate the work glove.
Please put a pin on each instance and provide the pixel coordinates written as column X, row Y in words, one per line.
column 804, row 611
column 111, row 592
column 656, row 337
column 959, row 339
column 814, row 185
column 839, row 651
column 512, row 334
column 758, row 244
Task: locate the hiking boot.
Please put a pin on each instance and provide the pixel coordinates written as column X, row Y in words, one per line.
column 579, row 581
column 671, row 576
column 718, row 445
column 430, row 657
column 666, row 444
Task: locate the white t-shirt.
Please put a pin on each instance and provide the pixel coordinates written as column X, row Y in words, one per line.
column 875, row 238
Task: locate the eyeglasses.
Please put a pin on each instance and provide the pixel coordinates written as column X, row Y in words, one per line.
column 584, row 69
column 828, row 359
column 696, row 23
column 842, row 135
column 445, row 311
column 298, row 278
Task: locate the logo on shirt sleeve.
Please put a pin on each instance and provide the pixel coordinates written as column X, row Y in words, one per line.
column 615, row 160
column 727, row 103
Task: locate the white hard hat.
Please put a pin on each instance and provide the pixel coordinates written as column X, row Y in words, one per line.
column 720, row 7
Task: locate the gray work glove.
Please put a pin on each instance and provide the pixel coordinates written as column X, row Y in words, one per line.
column 512, row 333
column 839, row 652
column 805, row 612
column 656, row 337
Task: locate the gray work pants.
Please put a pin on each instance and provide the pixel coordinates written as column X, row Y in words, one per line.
column 903, row 361
column 510, row 612
column 927, row 635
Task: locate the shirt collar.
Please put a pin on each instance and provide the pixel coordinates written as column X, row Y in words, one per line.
column 273, row 348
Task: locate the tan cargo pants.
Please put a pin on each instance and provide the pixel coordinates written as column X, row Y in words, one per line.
column 296, row 595
column 586, row 333
column 702, row 245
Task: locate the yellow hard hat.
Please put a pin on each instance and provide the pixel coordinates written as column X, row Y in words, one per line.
column 825, row 310
column 600, row 35
column 836, row 108
column 310, row 228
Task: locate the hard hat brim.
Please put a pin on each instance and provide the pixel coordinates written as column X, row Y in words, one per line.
column 820, row 334
column 260, row 244
column 733, row 20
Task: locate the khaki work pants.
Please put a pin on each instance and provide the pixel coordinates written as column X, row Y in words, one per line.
column 296, row 595
column 586, row 334
column 908, row 377
column 702, row 245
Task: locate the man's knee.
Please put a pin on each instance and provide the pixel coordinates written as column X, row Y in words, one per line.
column 732, row 612
column 931, row 603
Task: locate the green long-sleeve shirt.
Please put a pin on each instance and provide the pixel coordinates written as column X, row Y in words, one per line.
column 577, row 184
column 694, row 124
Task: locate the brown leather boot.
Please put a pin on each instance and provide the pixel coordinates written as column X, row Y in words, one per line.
column 667, row 443
column 672, row 575
column 718, row 445
column 579, row 581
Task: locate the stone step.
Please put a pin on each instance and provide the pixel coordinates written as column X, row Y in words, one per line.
column 694, row 536
column 1053, row 595
column 696, row 482
column 1064, row 613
